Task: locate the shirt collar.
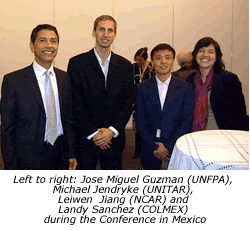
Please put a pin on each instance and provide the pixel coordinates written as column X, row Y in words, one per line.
column 39, row 70
column 99, row 59
column 165, row 82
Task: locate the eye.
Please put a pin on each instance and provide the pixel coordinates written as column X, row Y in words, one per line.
column 101, row 29
column 110, row 30
column 54, row 41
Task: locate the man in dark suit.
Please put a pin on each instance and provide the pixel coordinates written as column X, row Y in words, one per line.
column 103, row 91
column 36, row 110
column 164, row 109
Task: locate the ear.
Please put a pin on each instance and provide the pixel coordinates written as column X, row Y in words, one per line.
column 152, row 62
column 93, row 33
column 115, row 36
column 32, row 47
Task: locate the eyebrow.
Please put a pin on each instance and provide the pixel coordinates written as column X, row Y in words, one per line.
column 47, row 38
column 167, row 55
column 205, row 48
column 108, row 28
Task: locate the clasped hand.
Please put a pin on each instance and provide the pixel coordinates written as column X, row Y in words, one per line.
column 161, row 152
column 103, row 138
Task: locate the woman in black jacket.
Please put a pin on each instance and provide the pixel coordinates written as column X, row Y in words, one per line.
column 219, row 101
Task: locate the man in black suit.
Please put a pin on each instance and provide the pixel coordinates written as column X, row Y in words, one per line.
column 36, row 110
column 103, row 94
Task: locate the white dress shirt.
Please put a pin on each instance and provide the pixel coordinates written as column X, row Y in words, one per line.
column 40, row 76
column 105, row 69
column 162, row 91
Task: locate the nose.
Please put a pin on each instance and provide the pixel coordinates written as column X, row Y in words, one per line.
column 163, row 60
column 205, row 53
column 105, row 33
column 48, row 44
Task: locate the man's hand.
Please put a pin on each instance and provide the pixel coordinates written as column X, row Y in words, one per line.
column 103, row 138
column 72, row 163
column 161, row 152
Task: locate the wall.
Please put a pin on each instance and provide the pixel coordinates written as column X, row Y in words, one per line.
column 181, row 23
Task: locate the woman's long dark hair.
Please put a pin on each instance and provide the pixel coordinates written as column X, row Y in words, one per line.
column 204, row 42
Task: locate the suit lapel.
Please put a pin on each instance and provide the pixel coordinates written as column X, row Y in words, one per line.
column 111, row 78
column 113, row 63
column 95, row 77
column 59, row 81
column 154, row 94
column 31, row 81
column 171, row 94
column 93, row 62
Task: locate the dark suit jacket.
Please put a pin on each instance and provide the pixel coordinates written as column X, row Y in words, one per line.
column 174, row 121
column 227, row 100
column 95, row 106
column 23, row 118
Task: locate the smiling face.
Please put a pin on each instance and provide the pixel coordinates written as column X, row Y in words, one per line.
column 45, row 47
column 104, row 34
column 163, row 61
column 206, row 56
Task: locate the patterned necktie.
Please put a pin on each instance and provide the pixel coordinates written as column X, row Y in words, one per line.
column 51, row 122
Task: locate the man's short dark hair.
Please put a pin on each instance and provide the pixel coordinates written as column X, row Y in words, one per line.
column 162, row 46
column 35, row 31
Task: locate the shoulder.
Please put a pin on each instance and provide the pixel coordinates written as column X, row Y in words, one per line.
column 60, row 72
column 176, row 73
column 190, row 78
column 120, row 61
column 180, row 82
column 226, row 76
column 82, row 56
column 17, row 73
column 225, row 73
column 144, row 84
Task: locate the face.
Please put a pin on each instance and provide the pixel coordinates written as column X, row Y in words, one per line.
column 45, row 47
column 206, row 56
column 139, row 60
column 104, row 33
column 163, row 61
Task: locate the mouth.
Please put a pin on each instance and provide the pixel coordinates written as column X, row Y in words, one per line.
column 204, row 60
column 47, row 52
column 105, row 40
column 163, row 67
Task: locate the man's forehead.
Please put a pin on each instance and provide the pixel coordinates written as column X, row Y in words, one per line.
column 163, row 53
column 106, row 24
column 47, row 34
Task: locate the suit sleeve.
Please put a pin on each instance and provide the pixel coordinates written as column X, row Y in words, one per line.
column 141, row 121
column 80, row 113
column 235, row 106
column 8, row 120
column 127, row 105
column 70, row 122
column 185, row 121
